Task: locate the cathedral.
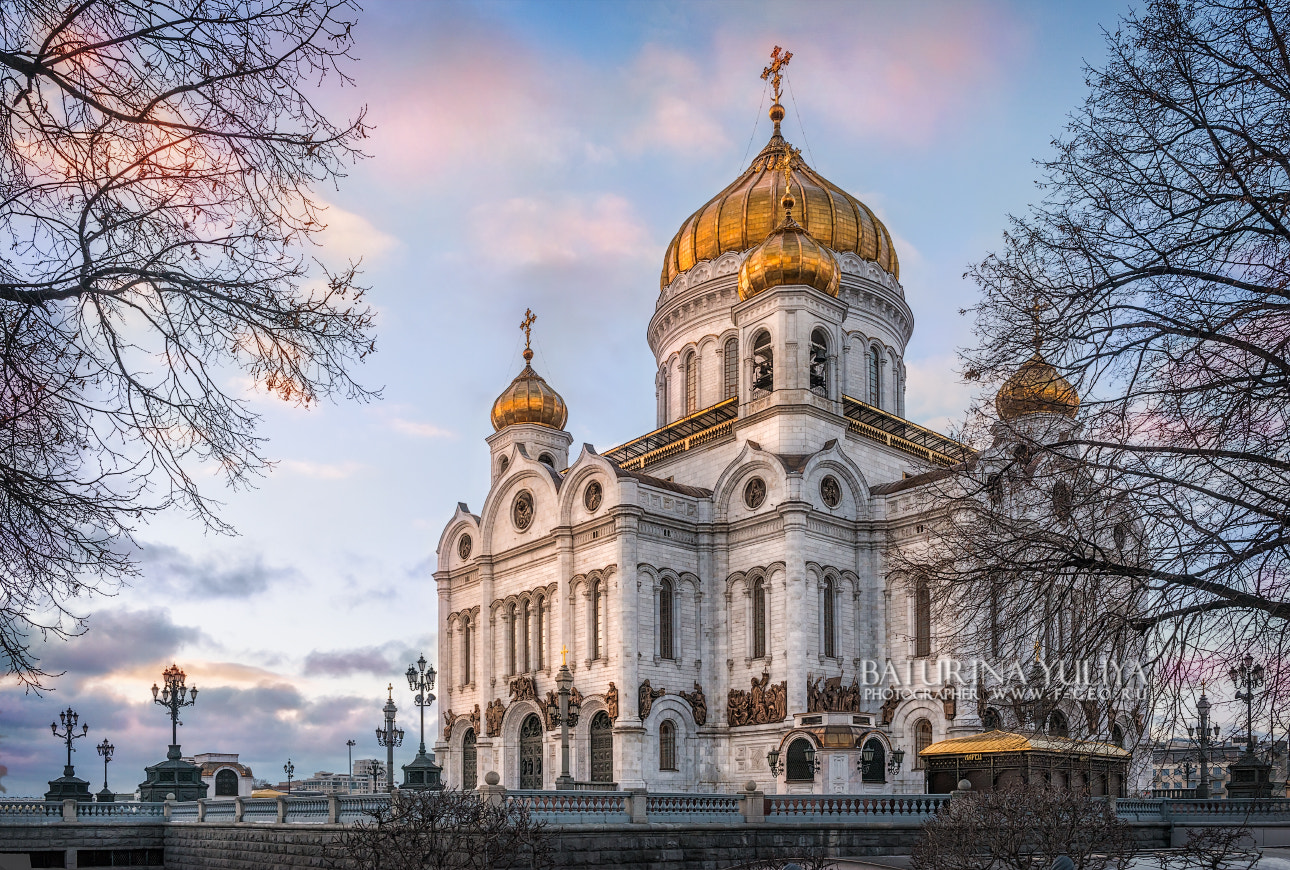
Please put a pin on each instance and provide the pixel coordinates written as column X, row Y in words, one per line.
column 718, row 587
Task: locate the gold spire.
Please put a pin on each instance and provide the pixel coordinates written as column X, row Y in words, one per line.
column 529, row 399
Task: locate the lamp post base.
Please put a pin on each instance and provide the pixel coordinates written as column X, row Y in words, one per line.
column 422, row 774
column 565, row 783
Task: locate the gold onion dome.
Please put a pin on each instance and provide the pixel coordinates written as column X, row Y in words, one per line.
column 788, row 256
column 529, row 399
column 746, row 212
column 1036, row 388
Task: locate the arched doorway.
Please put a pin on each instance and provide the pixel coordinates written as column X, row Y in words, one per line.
column 226, row 783
column 602, row 748
column 469, row 761
column 531, row 753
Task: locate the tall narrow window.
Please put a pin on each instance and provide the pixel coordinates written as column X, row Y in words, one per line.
column 922, row 619
column 875, row 378
column 820, row 362
column 830, row 619
column 466, row 676
column 922, row 740
column 759, row 619
column 667, row 745
column 730, row 360
column 763, row 361
column 596, row 607
column 511, row 628
column 662, row 398
column 691, row 382
column 539, row 636
column 665, row 619
column 527, row 625
column 996, row 630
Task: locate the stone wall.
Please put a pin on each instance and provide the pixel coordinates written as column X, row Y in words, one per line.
column 73, row 837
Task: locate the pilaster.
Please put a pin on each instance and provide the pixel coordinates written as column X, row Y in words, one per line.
column 794, row 514
column 628, row 732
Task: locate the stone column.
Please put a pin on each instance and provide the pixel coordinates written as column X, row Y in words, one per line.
column 562, row 617
column 628, row 731
column 485, row 754
column 794, row 613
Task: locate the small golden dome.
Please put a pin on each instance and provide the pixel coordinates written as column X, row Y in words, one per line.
column 1036, row 388
column 745, row 212
column 788, row 256
column 529, row 399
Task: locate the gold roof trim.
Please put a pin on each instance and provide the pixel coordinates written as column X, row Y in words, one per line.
column 1000, row 742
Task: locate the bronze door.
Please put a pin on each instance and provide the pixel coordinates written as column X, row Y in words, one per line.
column 531, row 753
column 602, row 748
column 469, row 761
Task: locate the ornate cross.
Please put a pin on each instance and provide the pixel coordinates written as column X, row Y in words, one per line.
column 564, row 653
column 527, row 324
column 777, row 62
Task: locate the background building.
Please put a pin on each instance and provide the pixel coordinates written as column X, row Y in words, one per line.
column 225, row 776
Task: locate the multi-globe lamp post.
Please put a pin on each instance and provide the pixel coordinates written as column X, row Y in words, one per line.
column 174, row 776
column 422, row 773
column 68, row 785
column 1203, row 734
column 566, row 712
column 105, row 750
column 1250, row 777
column 289, row 769
column 389, row 736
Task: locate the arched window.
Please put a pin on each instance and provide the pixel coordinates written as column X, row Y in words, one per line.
column 527, row 626
column 469, row 761
column 922, row 619
column 996, row 628
column 1057, row 725
column 226, row 783
column 1117, row 735
column 799, row 768
column 665, row 648
column 763, row 363
column 511, row 628
column 991, row 721
column 875, row 769
column 662, row 398
column 922, row 740
column 667, row 745
column 730, row 361
column 547, row 459
column 830, row 619
column 875, row 377
column 596, row 608
column 501, row 465
column 819, row 362
column 539, row 636
column 691, row 382
column 759, row 618
column 466, row 677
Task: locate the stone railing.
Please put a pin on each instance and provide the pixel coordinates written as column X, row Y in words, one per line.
column 36, row 812
column 575, row 807
column 824, row 808
column 685, row 808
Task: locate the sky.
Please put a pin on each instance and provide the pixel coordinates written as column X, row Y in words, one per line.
column 535, row 155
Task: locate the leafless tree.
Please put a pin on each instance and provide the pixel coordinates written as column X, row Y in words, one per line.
column 156, row 166
column 1213, row 849
column 1154, row 275
column 444, row 830
column 1024, row 827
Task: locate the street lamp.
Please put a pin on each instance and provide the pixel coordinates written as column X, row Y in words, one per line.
column 105, row 749
column 1203, row 736
column 69, row 718
column 173, row 777
column 351, row 744
column 566, row 712
column 289, row 769
column 376, row 770
column 895, row 762
column 1248, row 676
column 422, row 772
column 389, row 737
column 174, row 696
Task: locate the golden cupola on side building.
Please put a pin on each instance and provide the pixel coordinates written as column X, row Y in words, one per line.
column 1036, row 388
column 529, row 399
column 788, row 256
column 747, row 211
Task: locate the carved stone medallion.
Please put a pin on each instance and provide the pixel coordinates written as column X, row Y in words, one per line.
column 755, row 493
column 830, row 491
column 593, row 495
column 463, row 546
column 522, row 511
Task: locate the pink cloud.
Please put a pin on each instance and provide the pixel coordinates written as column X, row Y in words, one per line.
column 526, row 231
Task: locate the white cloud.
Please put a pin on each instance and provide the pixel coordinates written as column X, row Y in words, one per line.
column 420, row 430
column 350, row 236
column 525, row 231
column 322, row 470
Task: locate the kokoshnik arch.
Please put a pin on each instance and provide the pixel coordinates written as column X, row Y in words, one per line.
column 719, row 581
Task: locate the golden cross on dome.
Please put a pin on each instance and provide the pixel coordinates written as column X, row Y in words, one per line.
column 391, row 691
column 527, row 324
column 564, row 653
column 1034, row 317
column 777, row 62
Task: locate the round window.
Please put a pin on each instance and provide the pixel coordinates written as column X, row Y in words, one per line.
column 593, row 495
column 522, row 512
column 755, row 493
column 831, row 491
column 463, row 546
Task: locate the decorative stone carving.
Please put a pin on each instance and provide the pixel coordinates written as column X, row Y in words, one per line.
column 833, row 697
column 463, row 547
column 493, row 717
column 755, row 493
column 524, row 689
column 647, row 697
column 889, row 706
column 474, row 719
column 522, row 511
column 762, row 703
column 830, row 491
column 448, row 719
column 593, row 495
column 698, row 704
column 611, row 702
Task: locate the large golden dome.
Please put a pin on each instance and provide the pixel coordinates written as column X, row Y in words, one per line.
column 529, row 399
column 747, row 211
column 1036, row 388
column 788, row 256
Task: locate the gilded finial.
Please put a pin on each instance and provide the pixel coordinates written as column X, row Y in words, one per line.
column 784, row 165
column 778, row 60
column 564, row 654
column 391, row 691
column 527, row 325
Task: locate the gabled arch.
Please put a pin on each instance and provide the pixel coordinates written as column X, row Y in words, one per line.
column 525, row 473
column 751, row 461
column 589, row 466
column 446, row 550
